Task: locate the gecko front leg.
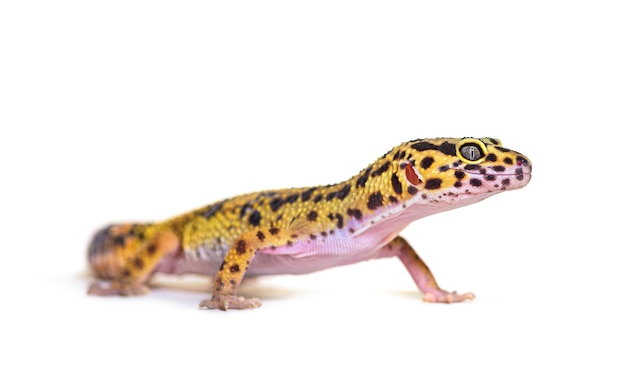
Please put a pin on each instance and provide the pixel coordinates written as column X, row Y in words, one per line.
column 235, row 265
column 422, row 276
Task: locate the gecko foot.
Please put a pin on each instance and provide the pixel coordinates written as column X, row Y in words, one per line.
column 230, row 302
column 447, row 297
column 114, row 287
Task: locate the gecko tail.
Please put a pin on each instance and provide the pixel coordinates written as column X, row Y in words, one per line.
column 113, row 246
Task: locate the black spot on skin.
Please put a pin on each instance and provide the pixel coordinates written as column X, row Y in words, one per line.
column 519, row 177
column 331, row 216
column 399, row 155
column 395, row 183
column 311, row 216
column 458, row 184
column 476, row 182
column 241, row 247
column 289, row 243
column 306, row 195
column 151, row 250
column 472, row 167
column 331, row 196
column 138, row 263
column 276, row 203
column 255, row 218
column 412, row 190
column 313, row 237
column 506, row 182
column 232, row 282
column 363, row 178
column 219, row 284
column 427, row 162
column 294, row 236
column 403, row 165
column 341, row 194
column 459, row 174
column 339, row 221
column 118, row 241
column 393, row 199
column 292, row 198
column 444, row 168
column 384, row 167
column 508, row 160
column 323, row 233
column 234, row 268
column 260, row 235
column 424, row 196
column 126, row 272
column 483, row 171
column 491, row 158
column 318, row 198
column 274, row 231
column 502, row 149
column 495, row 142
column 355, row 213
column 448, row 148
column 519, row 171
column 375, row 200
column 433, row 184
column 498, row 168
column 331, row 232
column 490, row 177
column 423, row 146
column 244, row 209
column 212, row 209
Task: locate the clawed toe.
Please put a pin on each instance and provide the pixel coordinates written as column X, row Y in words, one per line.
column 447, row 297
column 230, row 302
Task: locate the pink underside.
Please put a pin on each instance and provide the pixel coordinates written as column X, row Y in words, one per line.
column 305, row 256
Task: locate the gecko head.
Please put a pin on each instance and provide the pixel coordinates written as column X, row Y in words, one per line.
column 451, row 169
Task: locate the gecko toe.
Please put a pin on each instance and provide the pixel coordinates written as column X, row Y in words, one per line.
column 230, row 302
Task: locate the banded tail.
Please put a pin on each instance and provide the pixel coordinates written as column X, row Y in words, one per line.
column 127, row 254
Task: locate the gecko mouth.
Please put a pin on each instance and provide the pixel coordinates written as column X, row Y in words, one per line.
column 519, row 175
column 517, row 172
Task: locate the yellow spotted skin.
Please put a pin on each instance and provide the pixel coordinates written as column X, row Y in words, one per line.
column 302, row 230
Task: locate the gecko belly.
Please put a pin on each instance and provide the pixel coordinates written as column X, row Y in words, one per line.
column 268, row 263
column 362, row 241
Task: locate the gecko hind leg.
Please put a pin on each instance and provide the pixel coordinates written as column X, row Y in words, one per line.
column 124, row 257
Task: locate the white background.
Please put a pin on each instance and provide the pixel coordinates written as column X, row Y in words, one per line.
column 140, row 110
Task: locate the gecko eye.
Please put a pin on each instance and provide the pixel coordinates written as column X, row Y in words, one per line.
column 471, row 152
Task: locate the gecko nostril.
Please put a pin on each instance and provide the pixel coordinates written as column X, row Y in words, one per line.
column 521, row 161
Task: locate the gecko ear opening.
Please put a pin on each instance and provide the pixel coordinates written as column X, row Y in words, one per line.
column 411, row 175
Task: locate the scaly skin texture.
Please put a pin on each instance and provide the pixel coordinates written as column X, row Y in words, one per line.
column 302, row 230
